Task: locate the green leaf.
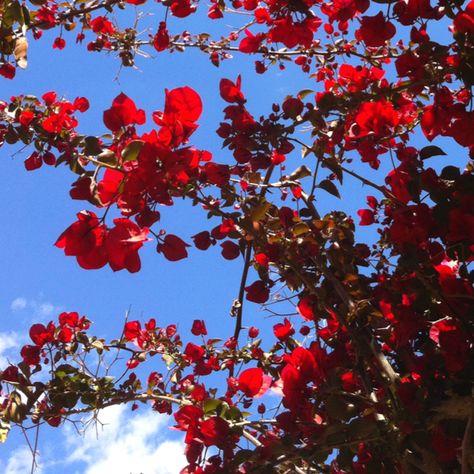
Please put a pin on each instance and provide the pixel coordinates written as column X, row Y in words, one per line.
column 334, row 166
column 429, row 151
column 131, row 151
column 211, row 404
column 92, row 146
column 304, row 93
column 329, row 187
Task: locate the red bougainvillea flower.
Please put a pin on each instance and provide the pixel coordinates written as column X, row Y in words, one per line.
column 366, row 216
column 85, row 239
column 108, row 187
column 132, row 330
column 123, row 242
column 375, row 30
column 182, row 8
column 283, row 330
column 231, row 92
column 30, row 354
column 203, row 240
column 464, row 21
column 173, row 248
column 41, row 334
column 183, row 104
column 59, row 43
column 251, row 43
column 7, row 70
column 230, row 250
column 257, row 292
column 102, row 25
column 306, row 307
column 122, row 113
column 162, row 39
column 199, row 328
column 183, row 107
column 214, row 431
column 254, row 383
column 376, row 119
column 33, row 162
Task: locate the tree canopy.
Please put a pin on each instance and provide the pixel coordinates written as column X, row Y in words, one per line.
column 367, row 365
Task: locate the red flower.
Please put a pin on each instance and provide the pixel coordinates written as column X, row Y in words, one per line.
column 85, row 239
column 162, row 39
column 26, row 117
column 132, row 330
column 231, row 92
column 283, row 330
column 183, row 104
column 366, row 216
column 375, row 30
column 257, row 292
column 59, row 43
column 230, row 250
column 199, row 328
column 306, row 307
column 30, row 354
column 41, row 335
column 182, row 8
column 194, row 353
column 33, row 162
column 173, row 248
column 254, row 383
column 7, row 70
column 251, row 43
column 123, row 242
column 464, row 21
column 102, row 25
column 81, row 104
column 203, row 240
column 122, row 113
column 214, row 431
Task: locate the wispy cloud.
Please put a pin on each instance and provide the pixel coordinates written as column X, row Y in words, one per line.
column 37, row 306
column 8, row 342
column 19, row 462
column 18, row 304
column 126, row 443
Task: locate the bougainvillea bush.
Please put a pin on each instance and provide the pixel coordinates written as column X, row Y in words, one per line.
column 369, row 360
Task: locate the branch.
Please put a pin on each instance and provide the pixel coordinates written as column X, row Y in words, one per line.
column 466, row 443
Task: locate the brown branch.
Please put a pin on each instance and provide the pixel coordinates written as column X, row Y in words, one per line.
column 466, row 448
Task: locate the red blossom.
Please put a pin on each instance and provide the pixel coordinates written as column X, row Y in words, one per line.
column 199, row 328
column 173, row 248
column 123, row 113
column 230, row 250
column 123, row 242
column 283, row 330
column 231, row 91
column 85, row 239
column 257, row 292
column 161, row 40
column 375, row 30
column 59, row 43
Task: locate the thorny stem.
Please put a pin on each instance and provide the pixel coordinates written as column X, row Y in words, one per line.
column 239, row 304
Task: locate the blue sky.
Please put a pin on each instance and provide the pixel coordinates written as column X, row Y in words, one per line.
column 39, row 281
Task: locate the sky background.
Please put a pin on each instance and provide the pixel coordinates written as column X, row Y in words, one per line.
column 38, row 281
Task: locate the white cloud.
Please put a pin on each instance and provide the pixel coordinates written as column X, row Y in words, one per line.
column 8, row 341
column 19, row 462
column 43, row 309
column 126, row 443
column 18, row 304
column 38, row 307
